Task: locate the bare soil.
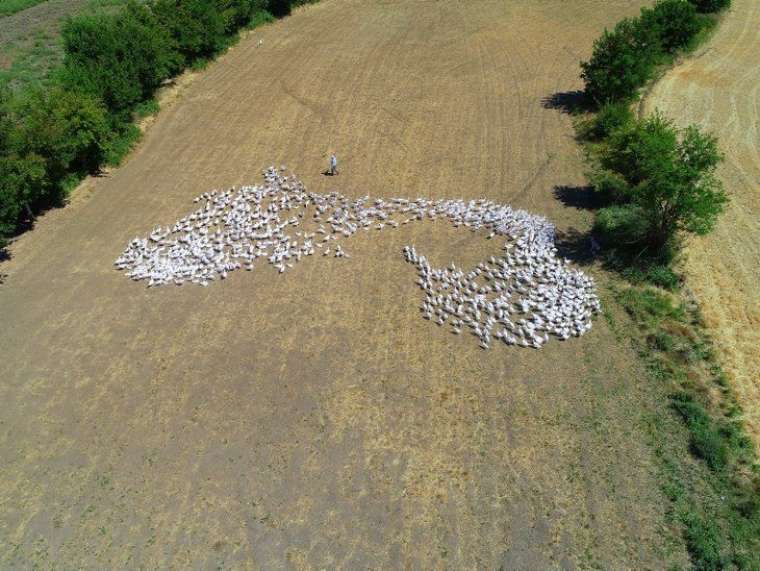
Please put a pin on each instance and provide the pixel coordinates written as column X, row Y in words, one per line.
column 720, row 90
column 314, row 420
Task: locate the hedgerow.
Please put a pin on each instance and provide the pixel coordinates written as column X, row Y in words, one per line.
column 82, row 117
column 625, row 59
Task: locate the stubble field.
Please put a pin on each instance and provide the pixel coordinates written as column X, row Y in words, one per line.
column 314, row 419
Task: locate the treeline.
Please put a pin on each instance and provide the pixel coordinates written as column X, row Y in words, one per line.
column 655, row 181
column 626, row 58
column 53, row 135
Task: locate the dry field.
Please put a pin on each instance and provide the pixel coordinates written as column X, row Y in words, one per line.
column 314, row 420
column 720, row 91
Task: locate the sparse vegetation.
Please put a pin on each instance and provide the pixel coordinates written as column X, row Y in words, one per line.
column 717, row 500
column 8, row 7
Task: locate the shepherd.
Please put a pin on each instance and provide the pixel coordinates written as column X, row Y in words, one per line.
column 333, row 165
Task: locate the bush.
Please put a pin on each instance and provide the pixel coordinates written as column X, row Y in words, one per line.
column 120, row 144
column 120, row 58
column 655, row 273
column 649, row 307
column 675, row 23
column 622, row 61
column 709, row 6
column 197, row 26
column 609, row 185
column 609, row 118
column 259, row 18
column 664, row 277
column 239, row 13
column 621, row 225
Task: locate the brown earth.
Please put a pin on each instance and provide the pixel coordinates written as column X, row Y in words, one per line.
column 720, row 91
column 314, row 420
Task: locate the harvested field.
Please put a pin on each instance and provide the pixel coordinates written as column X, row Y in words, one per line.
column 720, row 91
column 313, row 420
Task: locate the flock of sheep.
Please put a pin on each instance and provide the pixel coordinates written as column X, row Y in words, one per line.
column 520, row 298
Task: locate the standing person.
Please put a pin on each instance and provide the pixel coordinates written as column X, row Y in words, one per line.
column 333, row 165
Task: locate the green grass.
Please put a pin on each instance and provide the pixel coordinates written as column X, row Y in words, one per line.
column 31, row 60
column 8, row 7
column 146, row 108
column 714, row 484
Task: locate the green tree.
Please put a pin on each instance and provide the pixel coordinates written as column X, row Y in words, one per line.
column 197, row 26
column 68, row 129
column 22, row 181
column 22, row 178
column 670, row 176
column 675, row 22
column 121, row 58
column 238, row 13
column 622, row 61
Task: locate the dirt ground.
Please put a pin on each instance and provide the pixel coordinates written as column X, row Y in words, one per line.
column 720, row 90
column 314, row 420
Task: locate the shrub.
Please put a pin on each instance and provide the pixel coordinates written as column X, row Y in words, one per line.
column 675, row 22
column 663, row 276
column 121, row 58
column 621, row 225
column 609, row 118
column 259, row 18
column 649, row 307
column 621, row 62
column 239, row 13
column 197, row 26
column 609, row 185
column 121, row 142
column 709, row 6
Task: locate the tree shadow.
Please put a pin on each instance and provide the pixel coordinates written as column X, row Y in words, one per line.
column 578, row 197
column 579, row 247
column 570, row 102
column 582, row 247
